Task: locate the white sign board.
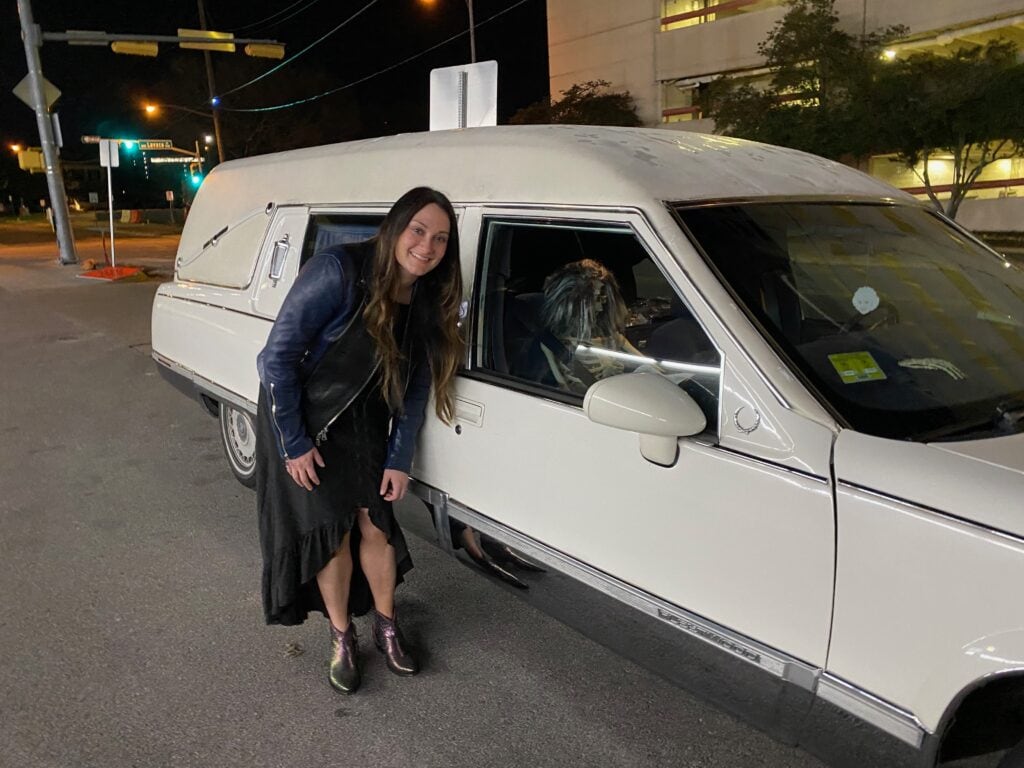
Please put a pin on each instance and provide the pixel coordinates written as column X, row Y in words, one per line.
column 109, row 157
column 465, row 96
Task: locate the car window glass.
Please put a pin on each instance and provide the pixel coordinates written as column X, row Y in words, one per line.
column 565, row 305
column 904, row 326
column 327, row 229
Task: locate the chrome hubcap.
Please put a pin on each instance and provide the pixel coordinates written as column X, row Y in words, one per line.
column 243, row 438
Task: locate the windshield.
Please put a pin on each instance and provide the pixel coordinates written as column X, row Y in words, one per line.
column 905, row 327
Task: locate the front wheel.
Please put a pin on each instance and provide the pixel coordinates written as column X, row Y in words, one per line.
column 239, row 436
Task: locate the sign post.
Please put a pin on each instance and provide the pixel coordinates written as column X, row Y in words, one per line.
column 109, row 158
column 32, row 38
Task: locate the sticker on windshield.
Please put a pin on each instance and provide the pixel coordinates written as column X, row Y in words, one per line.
column 855, row 367
column 865, row 299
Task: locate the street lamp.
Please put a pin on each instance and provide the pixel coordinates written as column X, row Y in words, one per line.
column 472, row 26
column 152, row 109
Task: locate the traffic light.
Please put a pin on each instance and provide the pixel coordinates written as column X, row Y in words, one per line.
column 135, row 48
column 128, row 145
column 265, row 50
column 195, row 173
column 31, row 159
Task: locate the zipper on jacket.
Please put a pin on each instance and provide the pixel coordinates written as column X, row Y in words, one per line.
column 273, row 417
column 321, row 436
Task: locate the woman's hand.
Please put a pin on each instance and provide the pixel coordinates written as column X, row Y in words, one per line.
column 394, row 485
column 303, row 469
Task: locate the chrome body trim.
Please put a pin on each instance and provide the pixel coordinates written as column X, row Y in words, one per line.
column 204, row 385
column 187, row 300
column 973, row 524
column 773, row 465
column 884, row 716
column 903, row 200
column 767, row 659
column 796, row 703
column 752, row 427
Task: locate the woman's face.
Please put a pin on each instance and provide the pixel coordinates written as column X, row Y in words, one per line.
column 421, row 246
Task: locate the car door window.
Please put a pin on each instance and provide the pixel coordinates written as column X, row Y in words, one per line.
column 563, row 305
column 327, row 229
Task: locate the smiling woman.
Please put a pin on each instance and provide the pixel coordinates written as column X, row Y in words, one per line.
column 421, row 245
column 345, row 374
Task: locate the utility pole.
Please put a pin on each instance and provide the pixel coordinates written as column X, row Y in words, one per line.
column 214, row 108
column 32, row 37
column 472, row 33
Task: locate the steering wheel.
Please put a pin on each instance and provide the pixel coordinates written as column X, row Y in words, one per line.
column 884, row 314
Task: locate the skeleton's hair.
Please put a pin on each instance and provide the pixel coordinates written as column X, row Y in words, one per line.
column 572, row 302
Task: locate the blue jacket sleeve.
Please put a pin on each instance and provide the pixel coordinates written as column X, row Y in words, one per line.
column 406, row 427
column 315, row 298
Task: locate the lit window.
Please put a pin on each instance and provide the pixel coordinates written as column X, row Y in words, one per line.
column 677, row 14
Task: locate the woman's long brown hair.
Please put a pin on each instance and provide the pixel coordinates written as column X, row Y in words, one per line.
column 434, row 313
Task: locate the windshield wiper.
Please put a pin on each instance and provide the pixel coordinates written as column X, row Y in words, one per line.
column 1008, row 419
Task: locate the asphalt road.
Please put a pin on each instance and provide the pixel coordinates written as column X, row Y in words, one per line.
column 130, row 627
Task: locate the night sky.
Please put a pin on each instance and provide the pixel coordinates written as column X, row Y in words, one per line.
column 103, row 92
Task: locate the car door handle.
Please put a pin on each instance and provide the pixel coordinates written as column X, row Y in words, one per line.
column 469, row 412
column 277, row 259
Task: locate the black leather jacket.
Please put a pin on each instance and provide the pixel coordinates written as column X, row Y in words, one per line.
column 324, row 306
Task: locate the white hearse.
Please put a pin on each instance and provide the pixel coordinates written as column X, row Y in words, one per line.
column 803, row 495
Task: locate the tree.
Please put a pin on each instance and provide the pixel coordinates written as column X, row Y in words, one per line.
column 582, row 104
column 818, row 98
column 832, row 93
column 968, row 105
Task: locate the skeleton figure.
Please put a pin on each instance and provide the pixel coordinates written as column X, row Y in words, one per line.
column 584, row 312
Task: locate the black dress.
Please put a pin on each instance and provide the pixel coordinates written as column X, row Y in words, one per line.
column 301, row 530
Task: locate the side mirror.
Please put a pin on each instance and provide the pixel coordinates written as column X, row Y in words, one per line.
column 650, row 405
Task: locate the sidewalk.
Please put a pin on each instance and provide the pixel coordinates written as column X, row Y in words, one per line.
column 29, row 253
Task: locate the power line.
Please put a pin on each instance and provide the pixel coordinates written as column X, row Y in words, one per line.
column 296, row 13
column 290, row 59
column 375, row 74
column 274, row 15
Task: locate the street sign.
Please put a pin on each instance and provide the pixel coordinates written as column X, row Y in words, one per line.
column 172, row 159
column 58, row 136
column 109, row 157
column 464, row 96
column 91, row 139
column 50, row 92
column 151, row 144
column 169, row 195
column 227, row 46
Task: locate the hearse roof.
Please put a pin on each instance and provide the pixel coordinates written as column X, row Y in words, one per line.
column 572, row 165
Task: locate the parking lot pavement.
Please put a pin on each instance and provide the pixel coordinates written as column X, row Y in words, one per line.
column 132, row 633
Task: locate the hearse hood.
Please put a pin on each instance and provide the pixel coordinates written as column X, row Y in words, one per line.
column 981, row 481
